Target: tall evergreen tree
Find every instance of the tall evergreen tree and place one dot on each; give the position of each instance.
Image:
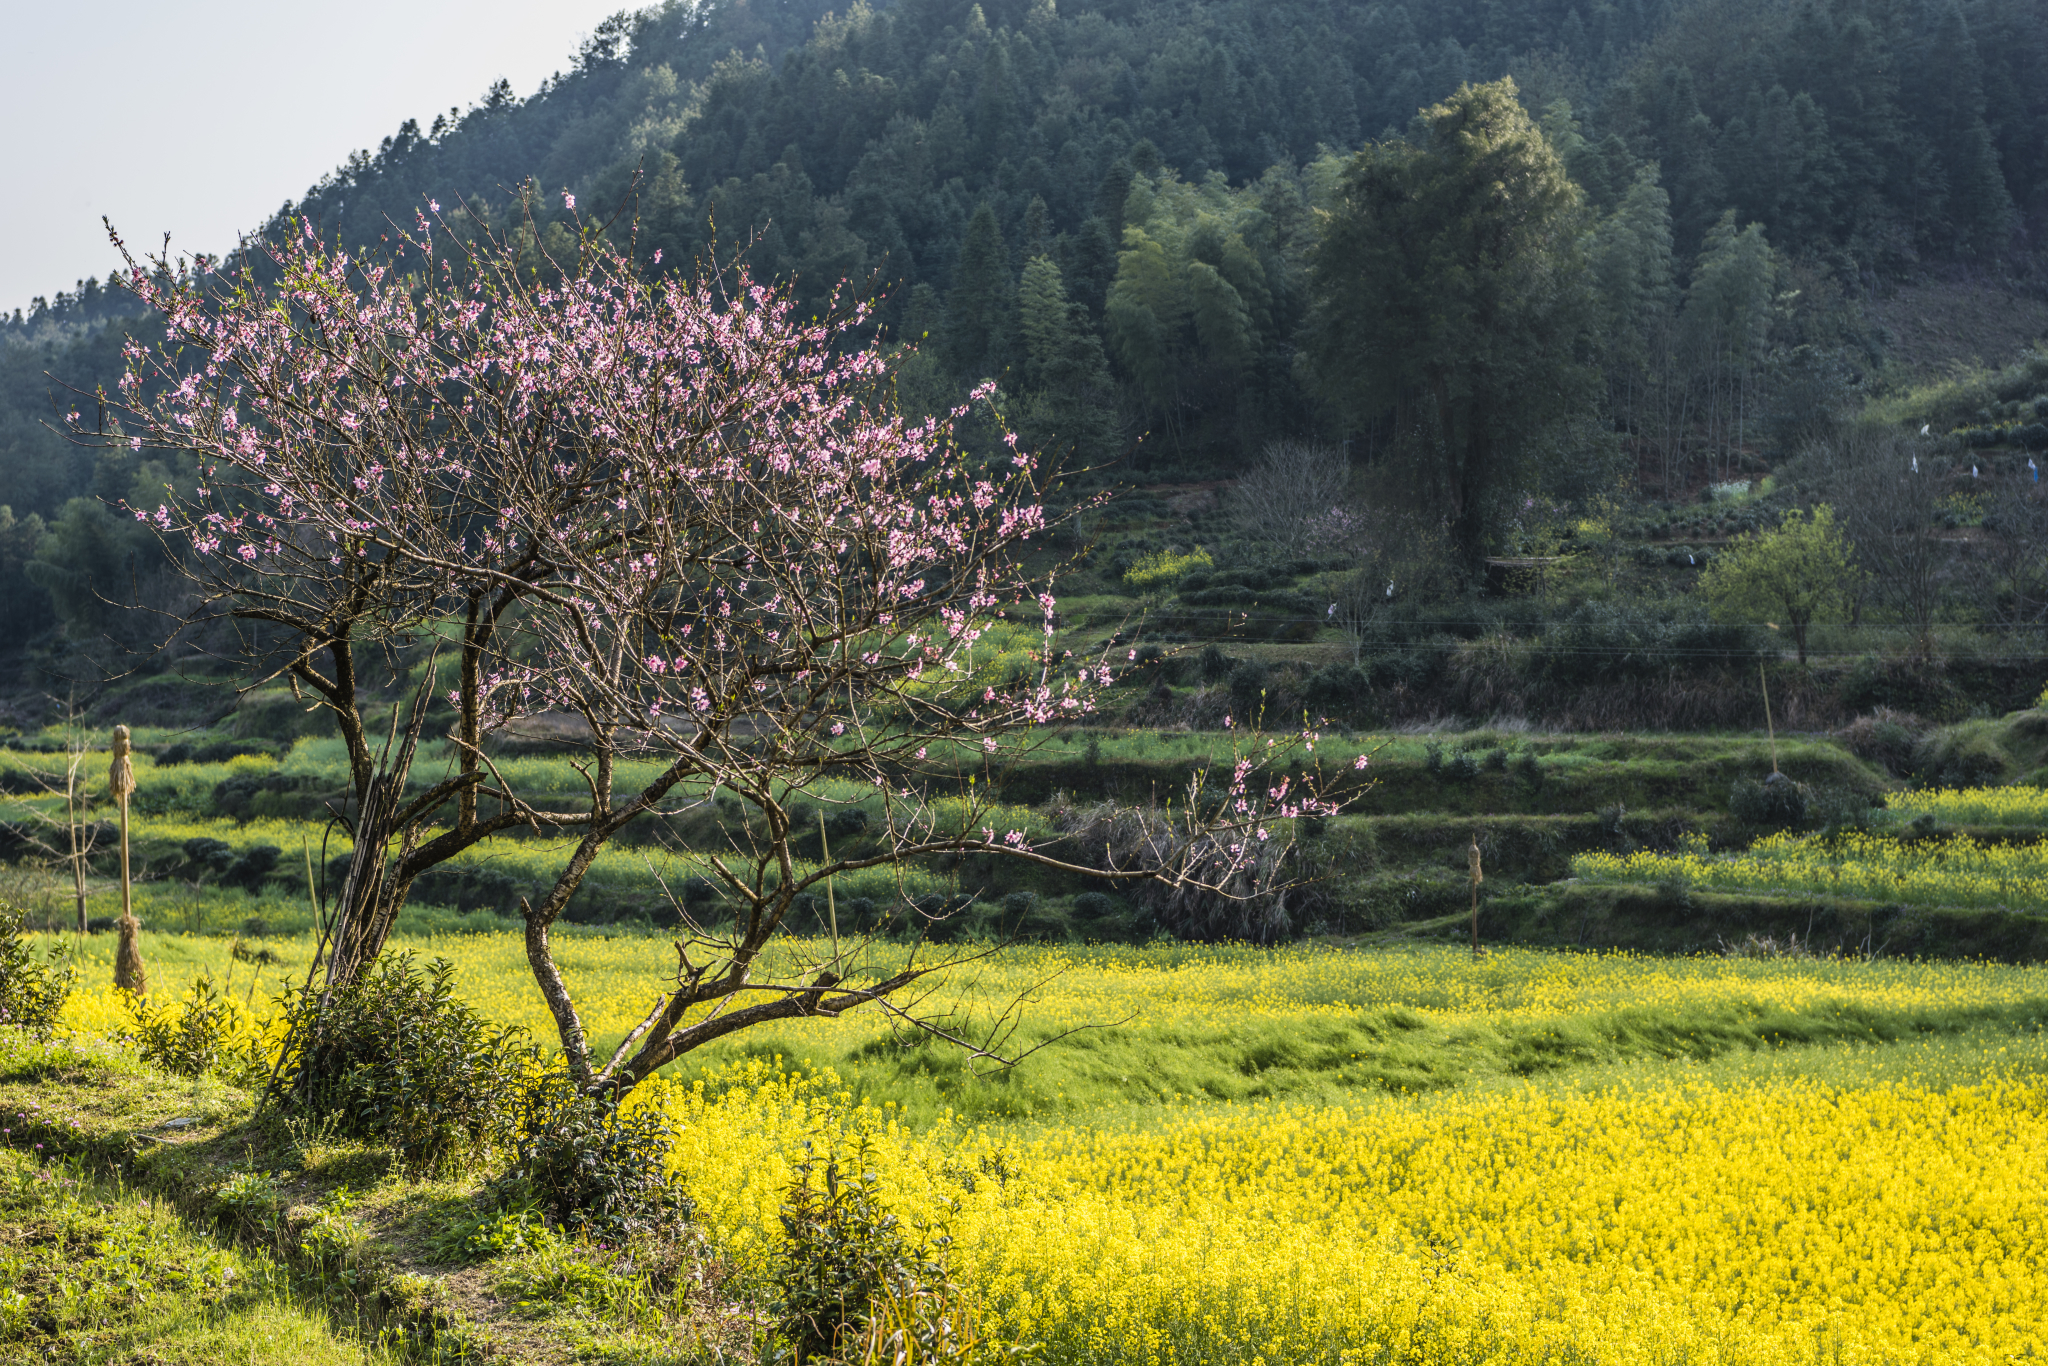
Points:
(1451, 289)
(1945, 91)
(1630, 254)
(1069, 399)
(1727, 322)
(979, 321)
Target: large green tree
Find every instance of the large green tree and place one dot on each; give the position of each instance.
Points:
(1451, 290)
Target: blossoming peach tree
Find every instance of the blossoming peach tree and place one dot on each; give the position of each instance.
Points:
(674, 511)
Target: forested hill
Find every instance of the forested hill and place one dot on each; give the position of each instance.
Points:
(1109, 205)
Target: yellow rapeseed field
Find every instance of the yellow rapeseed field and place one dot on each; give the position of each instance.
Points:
(1861, 1202)
(1976, 805)
(1956, 871)
(1787, 1222)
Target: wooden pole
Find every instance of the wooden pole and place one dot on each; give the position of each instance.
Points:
(1472, 857)
(831, 906)
(1770, 728)
(129, 973)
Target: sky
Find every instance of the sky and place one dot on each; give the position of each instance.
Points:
(200, 118)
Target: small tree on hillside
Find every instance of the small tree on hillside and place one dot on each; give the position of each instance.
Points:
(1889, 488)
(1297, 498)
(1797, 572)
(688, 519)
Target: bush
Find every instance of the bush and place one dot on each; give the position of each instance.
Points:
(1776, 801)
(214, 752)
(1600, 642)
(1965, 756)
(1837, 810)
(1338, 690)
(1096, 908)
(247, 869)
(851, 1279)
(1248, 686)
(190, 1042)
(394, 1058)
(591, 1168)
(32, 991)
(1885, 737)
(847, 823)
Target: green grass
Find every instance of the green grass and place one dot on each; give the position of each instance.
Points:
(94, 1271)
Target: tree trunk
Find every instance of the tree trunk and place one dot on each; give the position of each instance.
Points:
(372, 893)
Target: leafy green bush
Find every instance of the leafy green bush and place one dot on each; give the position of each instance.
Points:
(591, 1168)
(1338, 690)
(188, 1042)
(1964, 756)
(1602, 641)
(855, 1286)
(32, 990)
(1776, 801)
(395, 1058)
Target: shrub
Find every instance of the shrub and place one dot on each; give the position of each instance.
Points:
(32, 991)
(1248, 686)
(1776, 801)
(1965, 756)
(855, 1286)
(395, 1058)
(592, 1168)
(847, 823)
(1885, 737)
(189, 1042)
(1836, 810)
(1094, 908)
(1338, 690)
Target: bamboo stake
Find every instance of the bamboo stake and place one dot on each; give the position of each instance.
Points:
(1769, 726)
(129, 972)
(831, 906)
(1472, 857)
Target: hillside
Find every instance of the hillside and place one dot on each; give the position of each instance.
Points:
(981, 171)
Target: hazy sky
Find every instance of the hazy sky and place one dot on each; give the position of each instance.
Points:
(201, 118)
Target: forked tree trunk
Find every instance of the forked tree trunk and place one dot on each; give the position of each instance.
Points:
(371, 894)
